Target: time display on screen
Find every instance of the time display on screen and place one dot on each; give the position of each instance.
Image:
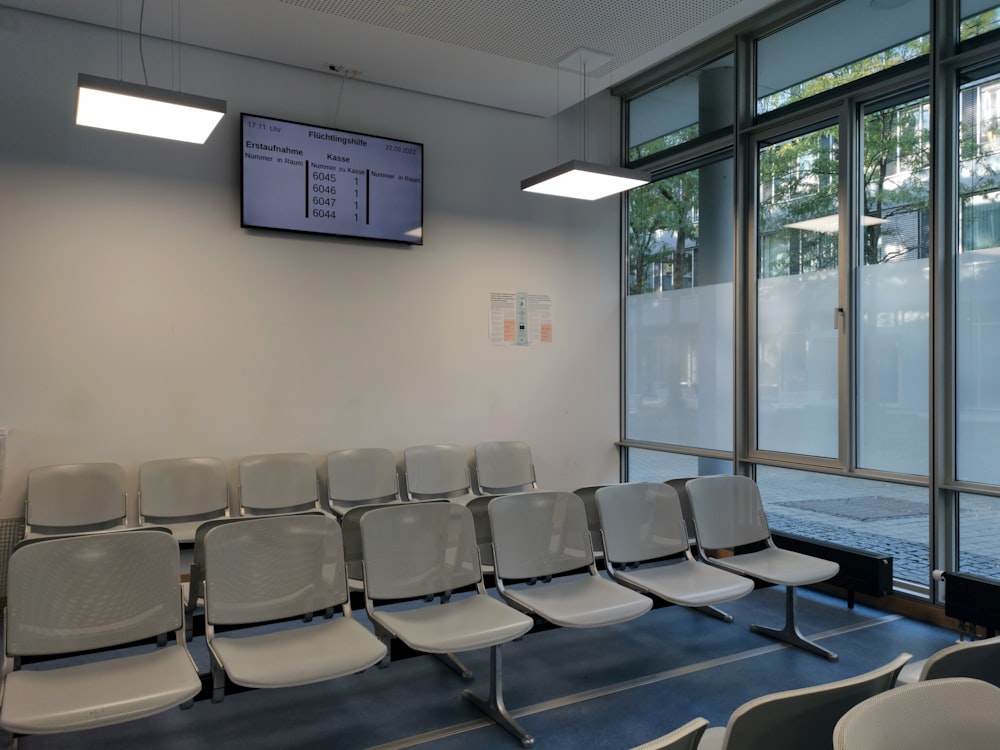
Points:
(307, 178)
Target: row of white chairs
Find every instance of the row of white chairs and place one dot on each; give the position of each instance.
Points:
(183, 493)
(543, 561)
(281, 567)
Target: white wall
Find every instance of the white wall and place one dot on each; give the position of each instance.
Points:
(139, 321)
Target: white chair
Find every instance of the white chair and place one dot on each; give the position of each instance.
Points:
(182, 493)
(274, 483)
(642, 523)
(729, 515)
(273, 568)
(802, 719)
(361, 476)
(544, 563)
(956, 712)
(417, 551)
(683, 738)
(87, 592)
(977, 659)
(73, 498)
(504, 467)
(437, 471)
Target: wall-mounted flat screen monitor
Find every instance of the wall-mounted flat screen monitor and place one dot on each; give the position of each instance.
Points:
(307, 178)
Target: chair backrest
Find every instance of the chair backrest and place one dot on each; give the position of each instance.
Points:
(75, 497)
(805, 718)
(361, 476)
(589, 496)
(480, 508)
(182, 489)
(91, 591)
(273, 568)
(504, 466)
(278, 483)
(683, 738)
(538, 534)
(727, 511)
(436, 471)
(956, 712)
(641, 521)
(418, 549)
(976, 659)
(680, 487)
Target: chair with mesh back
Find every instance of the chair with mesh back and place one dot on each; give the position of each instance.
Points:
(72, 498)
(359, 477)
(977, 659)
(437, 471)
(683, 738)
(93, 592)
(729, 516)
(803, 718)
(182, 493)
(273, 483)
(503, 467)
(419, 551)
(274, 568)
(953, 712)
(194, 587)
(544, 563)
(646, 547)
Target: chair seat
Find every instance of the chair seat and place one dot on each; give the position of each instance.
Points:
(911, 672)
(459, 625)
(99, 693)
(300, 655)
(689, 583)
(584, 602)
(780, 566)
(712, 739)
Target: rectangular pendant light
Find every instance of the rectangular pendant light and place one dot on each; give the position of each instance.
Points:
(584, 180)
(144, 110)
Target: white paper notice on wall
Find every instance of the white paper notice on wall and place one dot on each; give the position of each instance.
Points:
(520, 319)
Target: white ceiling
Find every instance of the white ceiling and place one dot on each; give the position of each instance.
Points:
(499, 53)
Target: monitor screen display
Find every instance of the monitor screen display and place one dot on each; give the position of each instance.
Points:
(307, 178)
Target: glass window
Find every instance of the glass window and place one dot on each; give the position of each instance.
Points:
(845, 42)
(893, 292)
(679, 310)
(978, 17)
(658, 466)
(682, 110)
(877, 516)
(977, 334)
(978, 530)
(797, 293)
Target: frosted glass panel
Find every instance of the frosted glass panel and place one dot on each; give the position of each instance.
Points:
(977, 367)
(679, 366)
(797, 364)
(893, 367)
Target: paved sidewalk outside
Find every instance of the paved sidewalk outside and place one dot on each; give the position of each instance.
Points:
(878, 516)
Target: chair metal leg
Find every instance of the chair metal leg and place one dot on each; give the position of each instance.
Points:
(455, 665)
(218, 683)
(790, 632)
(493, 706)
(715, 612)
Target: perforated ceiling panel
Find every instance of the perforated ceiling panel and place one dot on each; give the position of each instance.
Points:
(533, 31)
